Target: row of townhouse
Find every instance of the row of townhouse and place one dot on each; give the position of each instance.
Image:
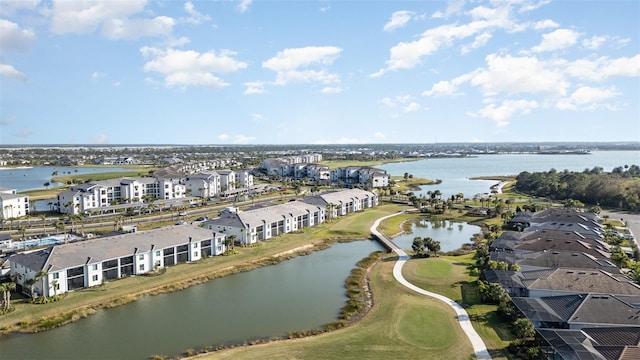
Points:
(13, 205)
(261, 224)
(66, 267)
(166, 186)
(365, 176)
(579, 302)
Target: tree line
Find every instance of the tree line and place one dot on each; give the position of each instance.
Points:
(619, 188)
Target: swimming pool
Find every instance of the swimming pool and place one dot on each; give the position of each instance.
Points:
(52, 240)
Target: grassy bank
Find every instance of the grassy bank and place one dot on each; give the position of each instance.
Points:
(29, 317)
(401, 325)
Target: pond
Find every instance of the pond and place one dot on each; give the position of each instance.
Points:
(451, 235)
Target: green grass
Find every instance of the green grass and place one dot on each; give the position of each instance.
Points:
(401, 325)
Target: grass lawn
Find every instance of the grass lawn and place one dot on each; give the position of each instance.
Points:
(401, 325)
(30, 317)
(449, 276)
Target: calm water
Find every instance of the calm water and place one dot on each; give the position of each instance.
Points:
(451, 235)
(455, 173)
(34, 178)
(299, 294)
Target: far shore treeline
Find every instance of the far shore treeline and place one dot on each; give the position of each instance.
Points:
(619, 188)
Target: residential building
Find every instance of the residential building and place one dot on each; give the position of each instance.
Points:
(365, 176)
(227, 180)
(13, 205)
(204, 185)
(610, 343)
(88, 263)
(100, 194)
(261, 224)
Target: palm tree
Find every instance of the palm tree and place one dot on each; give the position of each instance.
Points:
(42, 277)
(54, 284)
(6, 289)
(229, 242)
(43, 217)
(30, 283)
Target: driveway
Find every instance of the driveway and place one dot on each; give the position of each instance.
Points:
(632, 221)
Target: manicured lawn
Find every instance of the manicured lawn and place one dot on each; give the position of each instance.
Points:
(448, 275)
(401, 325)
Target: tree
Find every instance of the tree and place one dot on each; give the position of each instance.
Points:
(523, 328)
(229, 243)
(418, 245)
(46, 185)
(6, 289)
(29, 283)
(42, 277)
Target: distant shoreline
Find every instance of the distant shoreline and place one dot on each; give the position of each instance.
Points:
(16, 167)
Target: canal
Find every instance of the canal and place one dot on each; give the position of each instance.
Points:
(299, 294)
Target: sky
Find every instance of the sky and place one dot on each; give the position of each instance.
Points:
(318, 72)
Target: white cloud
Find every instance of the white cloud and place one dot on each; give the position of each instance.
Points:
(411, 107)
(291, 65)
(12, 37)
(379, 135)
(114, 18)
(8, 7)
(529, 5)
(501, 114)
(557, 40)
(242, 139)
(442, 89)
(223, 137)
(257, 117)
(602, 68)
(545, 24)
(587, 98)
(398, 20)
(96, 75)
(512, 75)
(100, 139)
(398, 100)
(594, 42)
(185, 68)
(196, 16)
(331, 90)
(453, 7)
(254, 87)
(9, 72)
(480, 41)
(172, 42)
(244, 5)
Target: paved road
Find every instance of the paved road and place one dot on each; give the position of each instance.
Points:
(479, 347)
(632, 221)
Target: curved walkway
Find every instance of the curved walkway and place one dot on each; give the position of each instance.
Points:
(479, 347)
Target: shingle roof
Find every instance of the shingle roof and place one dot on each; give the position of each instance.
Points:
(581, 280)
(558, 258)
(97, 250)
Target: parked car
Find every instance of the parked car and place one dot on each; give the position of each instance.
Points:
(182, 213)
(201, 218)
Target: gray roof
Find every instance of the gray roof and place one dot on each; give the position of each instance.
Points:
(581, 280)
(346, 195)
(589, 343)
(63, 256)
(275, 213)
(571, 259)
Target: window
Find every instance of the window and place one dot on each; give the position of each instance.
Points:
(141, 267)
(195, 246)
(56, 276)
(141, 257)
(94, 267)
(195, 254)
(158, 253)
(94, 277)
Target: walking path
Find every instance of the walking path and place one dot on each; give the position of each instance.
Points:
(479, 347)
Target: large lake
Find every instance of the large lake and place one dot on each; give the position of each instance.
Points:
(455, 172)
(32, 178)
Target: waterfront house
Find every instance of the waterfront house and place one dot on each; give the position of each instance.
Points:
(82, 264)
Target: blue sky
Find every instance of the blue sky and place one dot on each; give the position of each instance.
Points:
(318, 72)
